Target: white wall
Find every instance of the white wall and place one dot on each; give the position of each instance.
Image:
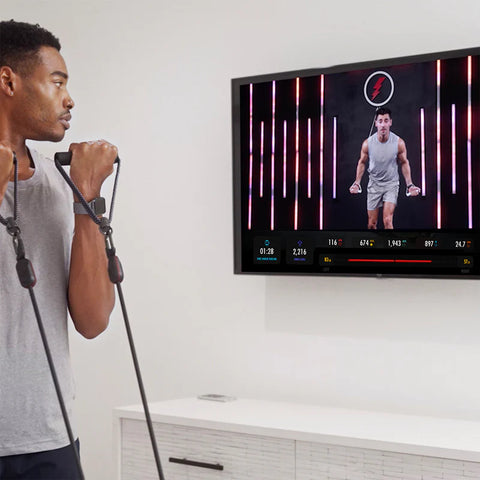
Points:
(154, 77)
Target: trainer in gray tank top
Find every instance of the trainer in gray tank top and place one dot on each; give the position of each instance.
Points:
(382, 166)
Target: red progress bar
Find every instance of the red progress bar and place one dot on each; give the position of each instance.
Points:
(385, 260)
(370, 260)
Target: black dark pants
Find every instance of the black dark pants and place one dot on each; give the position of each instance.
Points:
(56, 464)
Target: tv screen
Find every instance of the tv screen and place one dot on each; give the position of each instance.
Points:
(370, 168)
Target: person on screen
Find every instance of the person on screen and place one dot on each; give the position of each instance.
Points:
(384, 152)
(67, 252)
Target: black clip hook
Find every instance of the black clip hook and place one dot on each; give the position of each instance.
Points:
(12, 227)
(105, 227)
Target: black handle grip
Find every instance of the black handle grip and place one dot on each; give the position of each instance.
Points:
(65, 158)
(25, 273)
(191, 463)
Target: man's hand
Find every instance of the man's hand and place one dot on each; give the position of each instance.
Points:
(355, 188)
(412, 190)
(92, 163)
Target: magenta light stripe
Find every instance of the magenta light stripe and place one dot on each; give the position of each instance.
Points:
(439, 156)
(250, 172)
(297, 159)
(284, 159)
(309, 148)
(469, 144)
(454, 150)
(272, 175)
(422, 151)
(322, 96)
(334, 157)
(262, 140)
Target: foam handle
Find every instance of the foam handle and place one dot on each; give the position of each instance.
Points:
(25, 273)
(65, 158)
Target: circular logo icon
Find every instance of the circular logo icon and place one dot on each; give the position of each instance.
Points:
(378, 88)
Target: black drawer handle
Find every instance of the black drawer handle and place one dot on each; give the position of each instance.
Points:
(184, 461)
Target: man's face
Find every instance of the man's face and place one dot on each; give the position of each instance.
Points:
(44, 104)
(383, 124)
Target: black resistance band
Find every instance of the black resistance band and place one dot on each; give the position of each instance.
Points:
(115, 273)
(28, 280)
(373, 121)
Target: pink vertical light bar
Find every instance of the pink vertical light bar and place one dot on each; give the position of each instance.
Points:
(272, 175)
(469, 144)
(309, 149)
(322, 96)
(454, 150)
(422, 149)
(262, 140)
(284, 159)
(297, 156)
(250, 171)
(334, 157)
(439, 156)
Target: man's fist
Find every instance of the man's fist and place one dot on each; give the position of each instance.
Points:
(92, 163)
(355, 188)
(413, 191)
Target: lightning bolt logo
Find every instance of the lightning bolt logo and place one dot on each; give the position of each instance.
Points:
(379, 95)
(377, 87)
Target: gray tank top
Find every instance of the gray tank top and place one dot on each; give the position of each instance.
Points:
(382, 165)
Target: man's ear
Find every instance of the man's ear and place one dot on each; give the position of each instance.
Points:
(7, 81)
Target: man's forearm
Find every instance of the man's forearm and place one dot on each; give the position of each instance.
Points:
(406, 172)
(360, 172)
(91, 295)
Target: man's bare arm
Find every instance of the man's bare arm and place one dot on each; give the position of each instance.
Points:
(90, 293)
(361, 166)
(402, 159)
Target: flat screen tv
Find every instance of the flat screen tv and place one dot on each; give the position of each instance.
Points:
(363, 169)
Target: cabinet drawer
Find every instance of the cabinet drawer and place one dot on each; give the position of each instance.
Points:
(190, 453)
(317, 461)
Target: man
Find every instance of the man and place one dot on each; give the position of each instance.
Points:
(70, 267)
(384, 151)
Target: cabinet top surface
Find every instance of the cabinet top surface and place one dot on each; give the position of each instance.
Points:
(456, 439)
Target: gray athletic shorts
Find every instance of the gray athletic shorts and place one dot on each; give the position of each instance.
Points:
(377, 195)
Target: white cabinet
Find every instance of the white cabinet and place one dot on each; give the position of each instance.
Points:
(202, 454)
(332, 462)
(258, 440)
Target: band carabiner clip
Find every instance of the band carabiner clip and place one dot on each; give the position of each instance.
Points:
(12, 227)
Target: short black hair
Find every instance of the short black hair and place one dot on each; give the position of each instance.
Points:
(383, 111)
(20, 43)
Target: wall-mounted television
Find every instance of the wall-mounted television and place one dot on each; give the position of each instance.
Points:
(370, 168)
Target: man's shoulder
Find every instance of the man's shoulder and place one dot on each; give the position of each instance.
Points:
(42, 162)
(399, 140)
(39, 157)
(395, 137)
(46, 172)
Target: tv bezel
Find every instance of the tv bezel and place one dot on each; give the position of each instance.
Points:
(237, 83)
